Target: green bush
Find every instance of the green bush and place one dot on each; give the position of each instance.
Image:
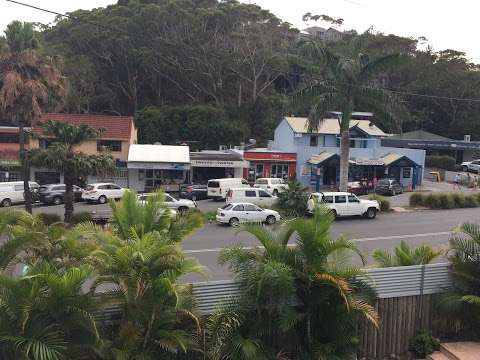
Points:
(80, 217)
(210, 216)
(49, 218)
(448, 201)
(471, 201)
(458, 199)
(440, 162)
(384, 203)
(445, 200)
(423, 344)
(416, 199)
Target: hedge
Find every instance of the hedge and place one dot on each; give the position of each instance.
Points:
(440, 162)
(384, 203)
(440, 200)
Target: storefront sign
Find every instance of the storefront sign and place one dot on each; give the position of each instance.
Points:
(158, 166)
(270, 156)
(369, 162)
(219, 163)
(8, 163)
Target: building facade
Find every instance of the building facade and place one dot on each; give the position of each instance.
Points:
(265, 162)
(215, 164)
(318, 152)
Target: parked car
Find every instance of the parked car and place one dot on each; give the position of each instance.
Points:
(272, 185)
(180, 205)
(251, 195)
(12, 192)
(388, 186)
(55, 193)
(471, 166)
(344, 204)
(236, 213)
(218, 188)
(101, 192)
(194, 192)
(356, 187)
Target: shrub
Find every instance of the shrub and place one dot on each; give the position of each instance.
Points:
(423, 344)
(80, 217)
(210, 216)
(471, 201)
(447, 201)
(416, 199)
(384, 203)
(49, 218)
(459, 200)
(293, 201)
(440, 162)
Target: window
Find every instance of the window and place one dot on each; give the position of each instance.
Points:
(58, 188)
(262, 181)
(238, 208)
(227, 207)
(250, 193)
(407, 173)
(313, 140)
(338, 142)
(264, 194)
(249, 207)
(114, 187)
(352, 143)
(168, 198)
(279, 170)
(340, 199)
(328, 199)
(213, 184)
(9, 138)
(18, 187)
(109, 145)
(103, 187)
(353, 199)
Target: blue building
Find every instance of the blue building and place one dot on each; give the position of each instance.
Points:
(318, 152)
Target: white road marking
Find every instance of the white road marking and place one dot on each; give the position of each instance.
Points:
(391, 237)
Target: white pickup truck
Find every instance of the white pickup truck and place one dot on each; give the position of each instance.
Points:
(344, 204)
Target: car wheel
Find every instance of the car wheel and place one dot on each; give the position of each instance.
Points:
(465, 168)
(102, 199)
(271, 220)
(371, 213)
(275, 192)
(6, 202)
(334, 213)
(182, 210)
(57, 200)
(234, 222)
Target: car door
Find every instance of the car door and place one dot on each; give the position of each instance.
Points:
(353, 207)
(239, 212)
(253, 213)
(77, 193)
(116, 191)
(341, 205)
(170, 202)
(264, 198)
(475, 166)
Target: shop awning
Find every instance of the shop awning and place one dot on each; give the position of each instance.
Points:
(322, 157)
(367, 162)
(398, 159)
(158, 157)
(212, 158)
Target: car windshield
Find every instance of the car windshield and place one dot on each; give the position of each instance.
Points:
(262, 181)
(384, 182)
(227, 207)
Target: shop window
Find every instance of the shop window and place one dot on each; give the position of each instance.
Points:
(352, 144)
(9, 138)
(313, 140)
(407, 173)
(109, 145)
(280, 171)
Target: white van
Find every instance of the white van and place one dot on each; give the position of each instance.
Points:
(12, 192)
(255, 196)
(217, 188)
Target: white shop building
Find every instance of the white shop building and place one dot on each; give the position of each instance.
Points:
(216, 164)
(152, 167)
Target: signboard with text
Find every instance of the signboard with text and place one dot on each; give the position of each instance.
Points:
(219, 163)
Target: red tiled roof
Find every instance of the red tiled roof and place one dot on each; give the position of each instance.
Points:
(116, 127)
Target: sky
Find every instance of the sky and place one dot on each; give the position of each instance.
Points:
(446, 24)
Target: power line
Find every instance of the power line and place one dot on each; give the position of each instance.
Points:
(399, 92)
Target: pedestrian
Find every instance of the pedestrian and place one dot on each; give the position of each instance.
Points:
(456, 182)
(475, 183)
(469, 180)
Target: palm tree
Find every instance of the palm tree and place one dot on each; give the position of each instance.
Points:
(348, 79)
(62, 156)
(463, 301)
(45, 315)
(29, 83)
(405, 255)
(141, 262)
(314, 274)
(293, 201)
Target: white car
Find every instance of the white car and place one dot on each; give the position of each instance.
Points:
(344, 204)
(473, 166)
(272, 185)
(101, 192)
(250, 195)
(236, 213)
(180, 205)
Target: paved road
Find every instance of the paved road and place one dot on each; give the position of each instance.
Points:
(386, 231)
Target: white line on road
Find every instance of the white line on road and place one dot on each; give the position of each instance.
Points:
(391, 237)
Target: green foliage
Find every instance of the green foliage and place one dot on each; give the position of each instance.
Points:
(423, 344)
(384, 202)
(438, 200)
(440, 162)
(262, 322)
(462, 303)
(50, 218)
(405, 255)
(81, 217)
(293, 201)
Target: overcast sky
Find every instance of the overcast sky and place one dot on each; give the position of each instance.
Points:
(446, 24)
